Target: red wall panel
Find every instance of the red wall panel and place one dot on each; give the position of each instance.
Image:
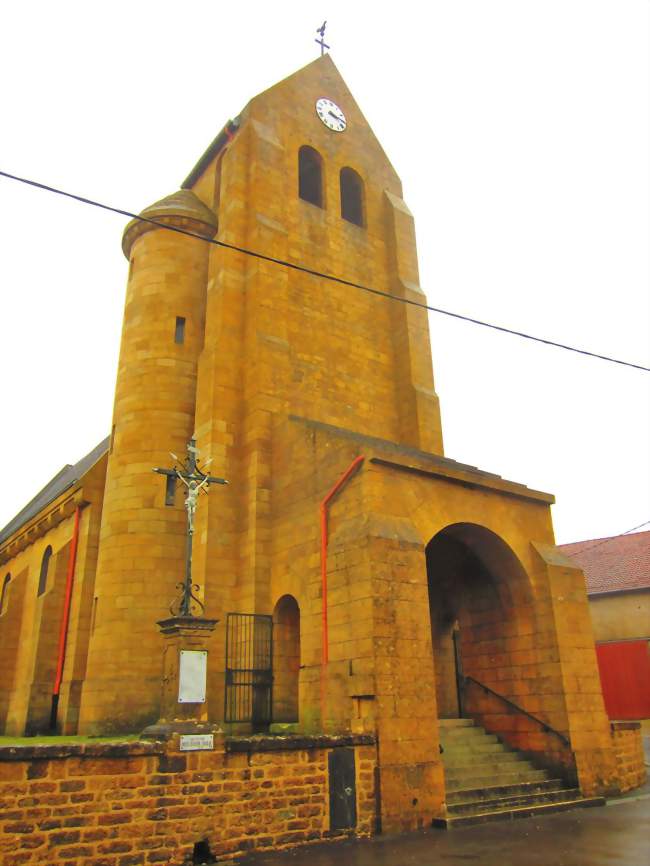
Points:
(625, 677)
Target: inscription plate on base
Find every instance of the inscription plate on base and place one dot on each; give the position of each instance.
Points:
(196, 742)
(192, 677)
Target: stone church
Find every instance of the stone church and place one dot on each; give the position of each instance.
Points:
(363, 582)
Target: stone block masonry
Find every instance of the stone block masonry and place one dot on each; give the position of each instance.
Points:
(628, 746)
(134, 804)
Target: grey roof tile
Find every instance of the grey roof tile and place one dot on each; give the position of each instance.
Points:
(63, 479)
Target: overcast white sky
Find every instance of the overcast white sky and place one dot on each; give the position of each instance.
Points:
(520, 132)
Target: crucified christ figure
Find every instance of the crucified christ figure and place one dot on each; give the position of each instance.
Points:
(196, 481)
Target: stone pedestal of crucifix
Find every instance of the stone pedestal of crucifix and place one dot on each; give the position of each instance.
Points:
(185, 634)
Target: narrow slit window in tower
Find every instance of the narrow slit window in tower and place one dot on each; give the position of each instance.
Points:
(352, 197)
(179, 333)
(170, 490)
(310, 175)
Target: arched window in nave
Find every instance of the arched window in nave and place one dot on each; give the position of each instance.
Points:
(3, 593)
(45, 564)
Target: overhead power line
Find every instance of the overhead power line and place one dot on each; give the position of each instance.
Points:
(606, 540)
(321, 275)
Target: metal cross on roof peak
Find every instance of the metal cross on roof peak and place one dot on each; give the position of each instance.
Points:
(321, 32)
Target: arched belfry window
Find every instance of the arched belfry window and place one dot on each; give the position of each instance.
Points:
(45, 564)
(3, 593)
(310, 175)
(352, 197)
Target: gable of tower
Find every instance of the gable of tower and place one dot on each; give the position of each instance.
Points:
(289, 108)
(288, 186)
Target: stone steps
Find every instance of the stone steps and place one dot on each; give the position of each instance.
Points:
(476, 747)
(455, 724)
(511, 813)
(488, 781)
(494, 792)
(494, 779)
(463, 762)
(559, 794)
(466, 734)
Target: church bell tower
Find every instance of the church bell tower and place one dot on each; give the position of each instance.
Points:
(228, 346)
(389, 576)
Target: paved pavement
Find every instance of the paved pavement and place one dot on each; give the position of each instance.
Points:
(617, 834)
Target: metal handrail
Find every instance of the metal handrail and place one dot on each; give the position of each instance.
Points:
(545, 727)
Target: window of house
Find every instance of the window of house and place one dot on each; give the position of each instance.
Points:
(352, 197)
(310, 175)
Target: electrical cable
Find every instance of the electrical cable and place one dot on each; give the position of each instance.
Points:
(321, 275)
(605, 540)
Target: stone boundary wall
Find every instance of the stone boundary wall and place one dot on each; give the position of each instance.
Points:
(135, 804)
(630, 760)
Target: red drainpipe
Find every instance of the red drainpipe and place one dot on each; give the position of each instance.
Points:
(352, 468)
(63, 634)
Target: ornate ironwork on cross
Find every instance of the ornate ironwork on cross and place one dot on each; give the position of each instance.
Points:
(196, 481)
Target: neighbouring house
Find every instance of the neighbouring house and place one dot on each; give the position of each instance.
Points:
(617, 571)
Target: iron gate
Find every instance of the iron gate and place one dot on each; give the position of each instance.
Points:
(249, 668)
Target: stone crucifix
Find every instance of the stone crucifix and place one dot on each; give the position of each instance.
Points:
(196, 481)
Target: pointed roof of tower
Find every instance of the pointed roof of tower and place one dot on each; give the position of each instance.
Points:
(322, 70)
(325, 61)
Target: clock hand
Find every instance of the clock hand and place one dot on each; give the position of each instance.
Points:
(335, 116)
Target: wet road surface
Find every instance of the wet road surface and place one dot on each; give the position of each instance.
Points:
(617, 834)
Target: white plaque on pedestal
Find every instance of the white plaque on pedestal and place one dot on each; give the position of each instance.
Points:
(196, 742)
(192, 676)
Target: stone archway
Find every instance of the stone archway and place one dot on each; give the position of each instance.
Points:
(480, 606)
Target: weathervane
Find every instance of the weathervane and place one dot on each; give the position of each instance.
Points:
(196, 481)
(321, 32)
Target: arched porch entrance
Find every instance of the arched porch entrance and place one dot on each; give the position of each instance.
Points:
(480, 606)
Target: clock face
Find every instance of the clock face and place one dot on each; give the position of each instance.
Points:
(330, 114)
